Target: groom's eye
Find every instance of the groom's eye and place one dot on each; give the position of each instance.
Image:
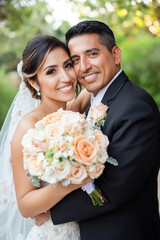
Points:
(93, 54)
(75, 60)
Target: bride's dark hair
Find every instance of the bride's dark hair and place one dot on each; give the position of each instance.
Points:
(35, 54)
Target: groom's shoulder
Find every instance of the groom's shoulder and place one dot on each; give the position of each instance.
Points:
(135, 94)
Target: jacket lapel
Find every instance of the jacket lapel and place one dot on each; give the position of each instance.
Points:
(114, 88)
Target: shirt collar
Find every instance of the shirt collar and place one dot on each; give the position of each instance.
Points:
(95, 100)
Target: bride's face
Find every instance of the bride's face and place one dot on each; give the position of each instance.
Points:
(57, 79)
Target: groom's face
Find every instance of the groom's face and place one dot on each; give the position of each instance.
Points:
(94, 65)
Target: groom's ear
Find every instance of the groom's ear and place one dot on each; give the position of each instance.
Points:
(116, 52)
(33, 83)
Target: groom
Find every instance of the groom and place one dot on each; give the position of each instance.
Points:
(133, 128)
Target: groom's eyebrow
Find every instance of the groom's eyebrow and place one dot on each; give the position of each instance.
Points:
(92, 49)
(86, 51)
(73, 56)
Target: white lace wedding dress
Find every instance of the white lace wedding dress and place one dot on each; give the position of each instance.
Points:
(48, 231)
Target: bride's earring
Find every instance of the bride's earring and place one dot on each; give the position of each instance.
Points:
(38, 92)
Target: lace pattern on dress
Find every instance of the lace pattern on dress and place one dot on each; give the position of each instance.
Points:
(48, 231)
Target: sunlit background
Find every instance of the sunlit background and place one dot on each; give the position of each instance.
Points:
(136, 25)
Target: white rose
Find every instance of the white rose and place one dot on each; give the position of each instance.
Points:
(101, 139)
(34, 164)
(27, 138)
(102, 156)
(50, 175)
(63, 170)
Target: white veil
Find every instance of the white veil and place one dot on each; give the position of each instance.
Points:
(12, 225)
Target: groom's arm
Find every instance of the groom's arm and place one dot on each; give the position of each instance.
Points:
(134, 144)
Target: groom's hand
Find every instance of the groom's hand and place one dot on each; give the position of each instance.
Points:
(41, 218)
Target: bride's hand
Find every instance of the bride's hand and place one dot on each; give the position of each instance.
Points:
(41, 218)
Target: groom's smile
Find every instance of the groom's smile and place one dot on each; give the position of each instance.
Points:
(89, 77)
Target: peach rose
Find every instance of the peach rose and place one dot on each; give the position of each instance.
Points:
(85, 150)
(54, 130)
(34, 165)
(95, 171)
(101, 139)
(68, 128)
(98, 112)
(61, 144)
(80, 127)
(52, 118)
(78, 174)
(43, 145)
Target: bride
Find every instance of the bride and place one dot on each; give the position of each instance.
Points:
(49, 82)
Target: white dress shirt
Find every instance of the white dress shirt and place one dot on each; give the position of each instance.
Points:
(95, 100)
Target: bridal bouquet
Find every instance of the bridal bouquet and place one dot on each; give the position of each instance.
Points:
(65, 148)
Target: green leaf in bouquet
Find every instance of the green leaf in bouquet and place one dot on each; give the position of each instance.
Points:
(60, 159)
(35, 180)
(50, 153)
(66, 182)
(112, 161)
(100, 123)
(73, 162)
(28, 175)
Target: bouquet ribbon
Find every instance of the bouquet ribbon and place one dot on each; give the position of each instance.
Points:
(89, 187)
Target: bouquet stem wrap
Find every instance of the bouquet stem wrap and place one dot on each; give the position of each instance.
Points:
(95, 194)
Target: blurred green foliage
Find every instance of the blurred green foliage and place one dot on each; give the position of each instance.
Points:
(136, 25)
(141, 61)
(7, 93)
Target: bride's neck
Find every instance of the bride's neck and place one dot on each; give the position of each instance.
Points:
(47, 107)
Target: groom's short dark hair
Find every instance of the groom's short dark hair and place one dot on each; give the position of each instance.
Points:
(106, 35)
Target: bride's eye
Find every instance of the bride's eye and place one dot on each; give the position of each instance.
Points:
(50, 71)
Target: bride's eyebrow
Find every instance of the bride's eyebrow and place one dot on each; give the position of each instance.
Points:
(49, 67)
(56, 65)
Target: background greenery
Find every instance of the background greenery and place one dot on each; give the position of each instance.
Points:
(136, 25)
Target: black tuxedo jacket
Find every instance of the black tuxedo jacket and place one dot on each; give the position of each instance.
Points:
(131, 213)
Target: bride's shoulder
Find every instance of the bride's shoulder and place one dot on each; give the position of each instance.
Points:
(26, 123)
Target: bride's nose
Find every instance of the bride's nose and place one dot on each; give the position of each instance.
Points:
(65, 77)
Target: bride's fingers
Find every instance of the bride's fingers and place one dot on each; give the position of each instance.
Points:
(86, 180)
(41, 218)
